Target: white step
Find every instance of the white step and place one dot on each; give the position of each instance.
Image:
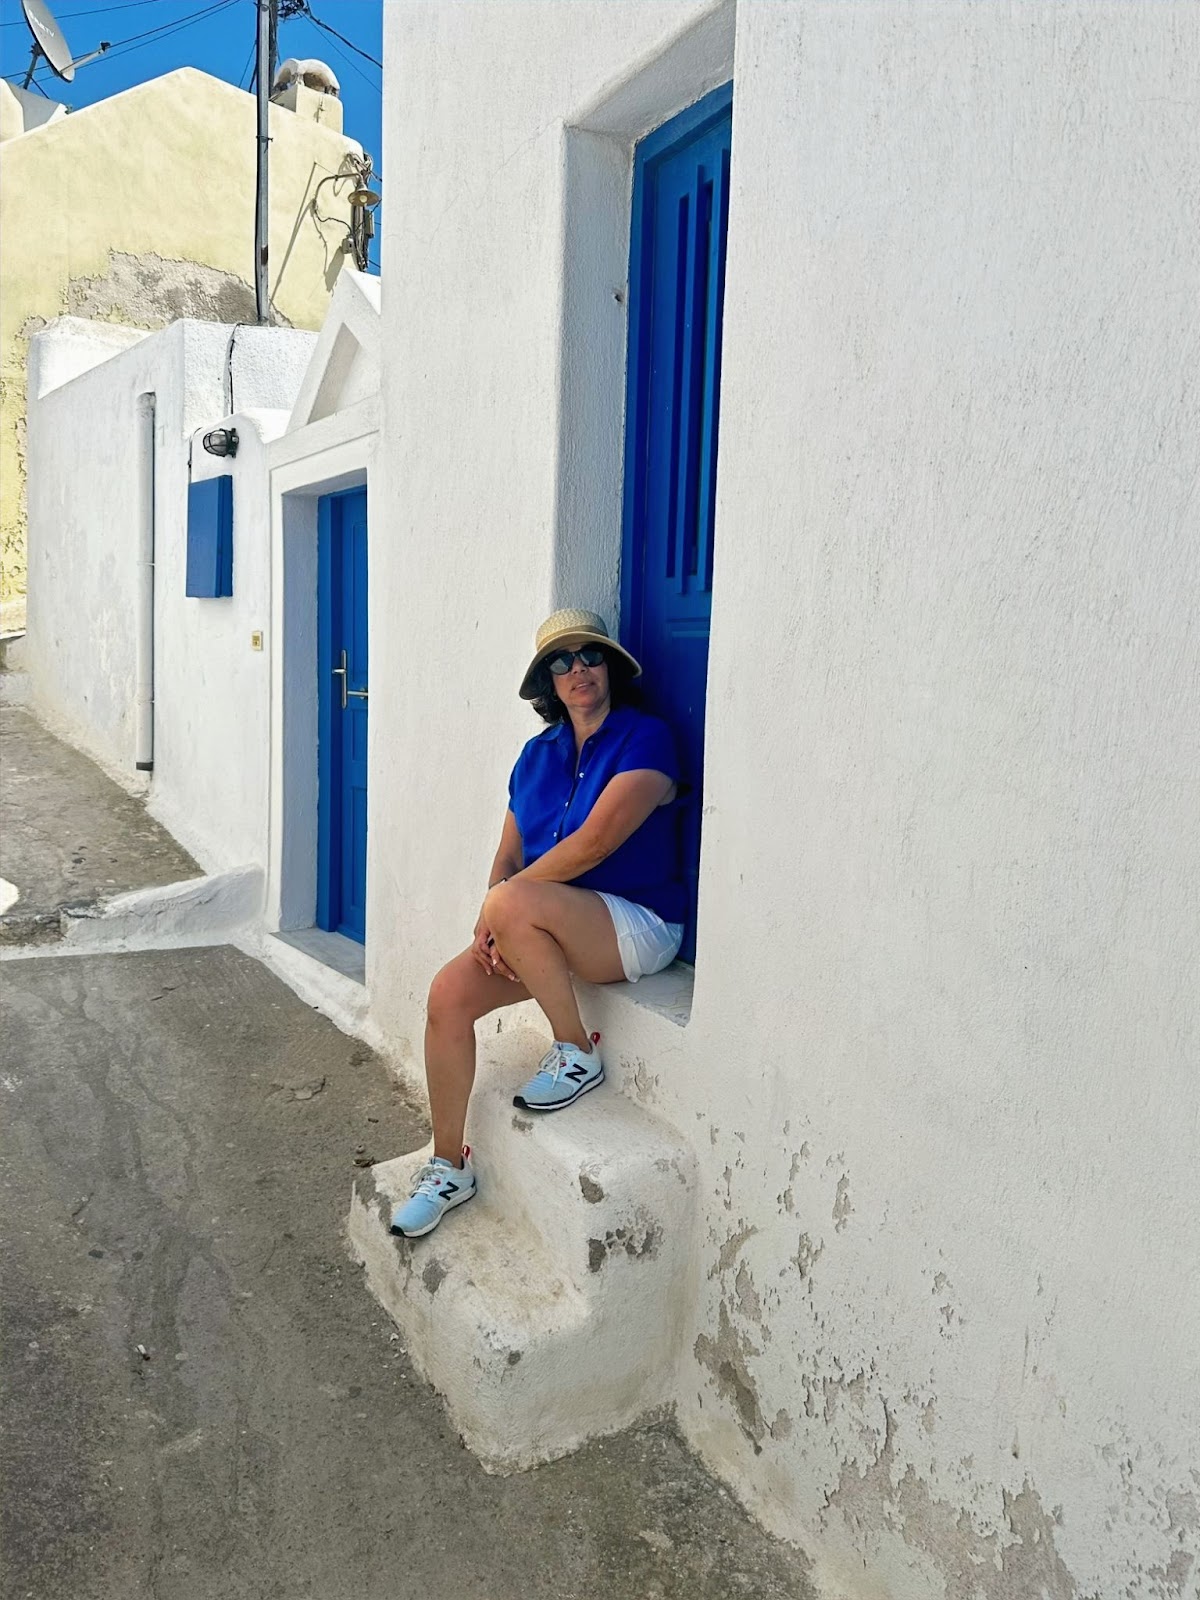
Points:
(521, 1308)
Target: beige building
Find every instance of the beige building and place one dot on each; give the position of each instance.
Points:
(140, 210)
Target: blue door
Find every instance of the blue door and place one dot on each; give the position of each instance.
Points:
(342, 713)
(676, 290)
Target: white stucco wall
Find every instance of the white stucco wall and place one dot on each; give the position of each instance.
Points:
(940, 1066)
(212, 688)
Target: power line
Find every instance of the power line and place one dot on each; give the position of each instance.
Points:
(164, 29)
(137, 40)
(358, 50)
(354, 67)
(246, 72)
(127, 5)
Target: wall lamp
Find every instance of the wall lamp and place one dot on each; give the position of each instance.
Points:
(221, 442)
(363, 201)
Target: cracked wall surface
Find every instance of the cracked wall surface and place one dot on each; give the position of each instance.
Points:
(140, 210)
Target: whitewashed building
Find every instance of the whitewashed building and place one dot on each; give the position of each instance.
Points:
(843, 355)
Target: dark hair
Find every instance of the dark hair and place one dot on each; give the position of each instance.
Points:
(620, 686)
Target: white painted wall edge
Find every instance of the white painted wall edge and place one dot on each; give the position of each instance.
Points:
(214, 909)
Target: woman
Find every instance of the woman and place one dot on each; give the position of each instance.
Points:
(586, 881)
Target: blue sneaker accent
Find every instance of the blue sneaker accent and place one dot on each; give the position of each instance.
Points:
(563, 1074)
(437, 1188)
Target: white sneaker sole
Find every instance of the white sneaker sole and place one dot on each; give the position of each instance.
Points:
(419, 1233)
(561, 1105)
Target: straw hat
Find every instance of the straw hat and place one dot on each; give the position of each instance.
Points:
(567, 630)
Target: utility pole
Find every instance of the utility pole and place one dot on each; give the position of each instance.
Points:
(267, 12)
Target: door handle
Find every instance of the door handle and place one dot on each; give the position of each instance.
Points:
(340, 672)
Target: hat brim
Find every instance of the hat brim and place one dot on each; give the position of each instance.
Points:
(572, 639)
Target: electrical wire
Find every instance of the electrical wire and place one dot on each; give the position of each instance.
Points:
(247, 71)
(358, 49)
(164, 30)
(375, 88)
(127, 5)
(135, 42)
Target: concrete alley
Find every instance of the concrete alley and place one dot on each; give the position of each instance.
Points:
(200, 1398)
(178, 1142)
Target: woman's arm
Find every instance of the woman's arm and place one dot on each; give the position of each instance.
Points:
(620, 809)
(510, 855)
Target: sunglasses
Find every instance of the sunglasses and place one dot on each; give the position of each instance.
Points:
(561, 662)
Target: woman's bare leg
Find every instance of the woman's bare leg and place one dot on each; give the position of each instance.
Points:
(546, 932)
(460, 994)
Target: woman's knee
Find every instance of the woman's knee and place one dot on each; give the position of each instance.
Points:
(451, 995)
(509, 903)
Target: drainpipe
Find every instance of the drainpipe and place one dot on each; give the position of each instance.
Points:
(262, 213)
(144, 710)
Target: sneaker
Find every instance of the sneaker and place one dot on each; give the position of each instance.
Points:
(563, 1074)
(437, 1188)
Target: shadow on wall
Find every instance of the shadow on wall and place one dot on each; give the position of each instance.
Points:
(335, 253)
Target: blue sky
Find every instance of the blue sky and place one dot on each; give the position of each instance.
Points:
(220, 41)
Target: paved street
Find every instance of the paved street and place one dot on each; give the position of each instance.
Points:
(68, 834)
(177, 1145)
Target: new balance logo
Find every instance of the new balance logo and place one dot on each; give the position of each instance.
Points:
(447, 1190)
(577, 1073)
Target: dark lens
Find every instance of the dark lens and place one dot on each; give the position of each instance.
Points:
(561, 663)
(591, 655)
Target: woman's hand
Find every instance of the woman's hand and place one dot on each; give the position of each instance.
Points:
(508, 862)
(501, 967)
(486, 952)
(483, 945)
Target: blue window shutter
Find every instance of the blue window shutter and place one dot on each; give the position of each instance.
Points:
(210, 538)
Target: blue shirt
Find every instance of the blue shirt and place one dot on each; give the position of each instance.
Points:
(551, 799)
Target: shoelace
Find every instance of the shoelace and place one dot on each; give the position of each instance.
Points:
(556, 1055)
(428, 1179)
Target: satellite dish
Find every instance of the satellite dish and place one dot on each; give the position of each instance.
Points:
(48, 38)
(50, 43)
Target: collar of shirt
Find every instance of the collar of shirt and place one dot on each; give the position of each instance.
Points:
(564, 733)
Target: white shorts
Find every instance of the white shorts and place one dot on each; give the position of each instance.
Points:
(647, 943)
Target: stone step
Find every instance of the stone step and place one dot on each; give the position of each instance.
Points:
(548, 1309)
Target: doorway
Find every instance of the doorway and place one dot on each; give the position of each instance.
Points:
(678, 240)
(342, 713)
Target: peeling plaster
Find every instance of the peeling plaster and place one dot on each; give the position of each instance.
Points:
(786, 1201)
(645, 1083)
(151, 291)
(639, 1241)
(807, 1254)
(747, 1294)
(731, 1249)
(1183, 1518)
(433, 1276)
(781, 1428)
(842, 1207)
(591, 1190)
(1024, 1565)
(726, 1357)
